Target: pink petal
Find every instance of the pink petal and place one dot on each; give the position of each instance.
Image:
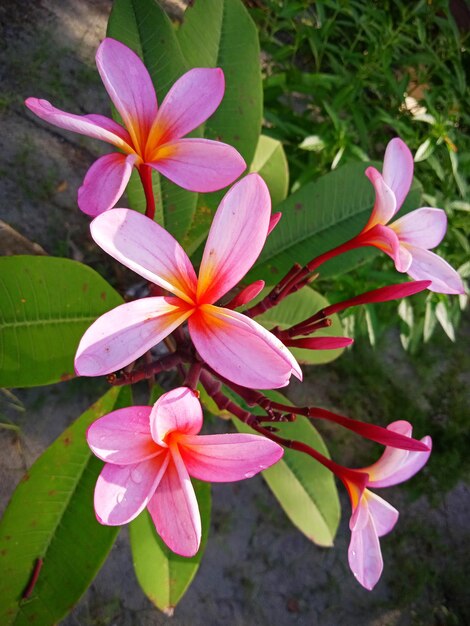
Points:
(429, 266)
(384, 238)
(82, 124)
(109, 124)
(398, 169)
(236, 237)
(240, 349)
(177, 410)
(129, 86)
(123, 437)
(226, 458)
(123, 491)
(385, 202)
(396, 466)
(175, 511)
(247, 294)
(384, 515)
(146, 248)
(364, 554)
(200, 165)
(423, 228)
(122, 335)
(105, 182)
(191, 100)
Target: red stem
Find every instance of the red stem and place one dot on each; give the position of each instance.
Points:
(145, 172)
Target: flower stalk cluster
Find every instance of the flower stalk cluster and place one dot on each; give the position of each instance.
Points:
(150, 453)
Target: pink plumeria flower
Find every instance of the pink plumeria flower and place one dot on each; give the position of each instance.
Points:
(409, 239)
(151, 135)
(372, 516)
(150, 454)
(235, 346)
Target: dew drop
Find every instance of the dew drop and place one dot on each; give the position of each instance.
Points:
(119, 498)
(136, 476)
(249, 474)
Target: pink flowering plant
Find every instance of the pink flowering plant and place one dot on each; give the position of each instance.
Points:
(226, 314)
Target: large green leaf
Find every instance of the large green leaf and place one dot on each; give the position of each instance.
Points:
(46, 304)
(320, 216)
(296, 308)
(304, 488)
(51, 517)
(144, 26)
(163, 575)
(221, 33)
(271, 163)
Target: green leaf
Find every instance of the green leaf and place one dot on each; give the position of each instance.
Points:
(51, 517)
(46, 304)
(304, 488)
(296, 308)
(144, 26)
(319, 217)
(221, 33)
(270, 162)
(163, 575)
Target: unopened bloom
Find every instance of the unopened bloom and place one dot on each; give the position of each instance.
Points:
(234, 345)
(150, 454)
(372, 516)
(409, 239)
(151, 135)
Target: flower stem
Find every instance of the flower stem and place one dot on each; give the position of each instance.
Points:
(145, 173)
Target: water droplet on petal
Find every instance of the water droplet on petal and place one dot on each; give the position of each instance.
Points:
(119, 497)
(136, 476)
(249, 474)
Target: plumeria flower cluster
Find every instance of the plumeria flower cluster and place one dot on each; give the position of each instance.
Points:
(151, 453)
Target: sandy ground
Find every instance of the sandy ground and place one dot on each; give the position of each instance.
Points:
(257, 568)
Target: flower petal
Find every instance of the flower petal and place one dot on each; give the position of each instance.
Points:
(240, 349)
(123, 334)
(175, 511)
(123, 437)
(200, 165)
(123, 491)
(191, 100)
(146, 248)
(108, 124)
(129, 86)
(395, 465)
(236, 238)
(398, 169)
(423, 228)
(82, 124)
(429, 266)
(364, 554)
(385, 239)
(226, 458)
(385, 516)
(385, 202)
(105, 182)
(177, 410)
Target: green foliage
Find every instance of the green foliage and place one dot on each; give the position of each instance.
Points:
(319, 217)
(46, 304)
(51, 517)
(271, 164)
(335, 79)
(163, 575)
